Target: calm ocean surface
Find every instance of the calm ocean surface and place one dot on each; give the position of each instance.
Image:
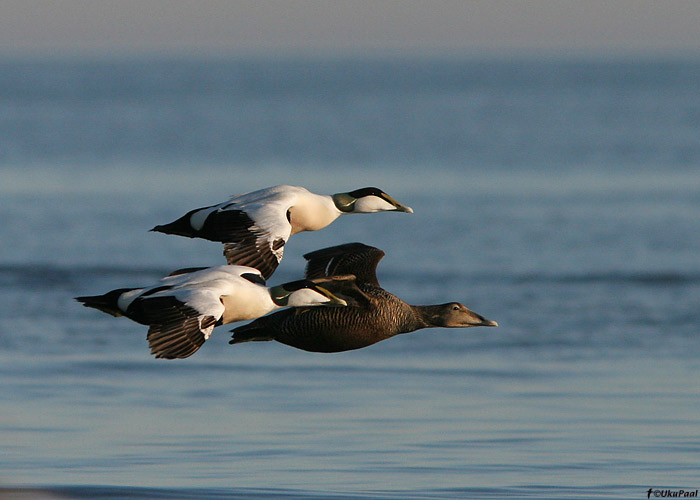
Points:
(560, 198)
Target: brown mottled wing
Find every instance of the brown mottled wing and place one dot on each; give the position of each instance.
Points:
(351, 258)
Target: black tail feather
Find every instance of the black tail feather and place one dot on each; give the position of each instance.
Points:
(107, 303)
(252, 332)
(179, 227)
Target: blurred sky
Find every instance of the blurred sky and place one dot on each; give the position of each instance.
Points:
(70, 27)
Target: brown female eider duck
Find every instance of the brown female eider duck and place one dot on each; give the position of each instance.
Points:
(372, 314)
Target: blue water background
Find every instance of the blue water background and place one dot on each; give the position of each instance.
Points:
(560, 198)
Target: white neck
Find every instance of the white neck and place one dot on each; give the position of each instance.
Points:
(313, 213)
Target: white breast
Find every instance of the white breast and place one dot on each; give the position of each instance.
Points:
(246, 304)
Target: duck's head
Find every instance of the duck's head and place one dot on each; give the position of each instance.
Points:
(368, 200)
(454, 315)
(302, 293)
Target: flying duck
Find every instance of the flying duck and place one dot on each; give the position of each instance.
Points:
(372, 314)
(184, 307)
(254, 227)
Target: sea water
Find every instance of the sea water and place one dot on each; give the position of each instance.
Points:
(559, 198)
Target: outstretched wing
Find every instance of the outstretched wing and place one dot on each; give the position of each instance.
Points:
(254, 227)
(351, 258)
(176, 330)
(256, 250)
(247, 242)
(259, 242)
(178, 339)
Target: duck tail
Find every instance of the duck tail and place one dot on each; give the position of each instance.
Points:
(252, 332)
(179, 227)
(107, 303)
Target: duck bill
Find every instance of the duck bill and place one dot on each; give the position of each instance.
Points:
(487, 322)
(333, 301)
(399, 206)
(478, 320)
(403, 208)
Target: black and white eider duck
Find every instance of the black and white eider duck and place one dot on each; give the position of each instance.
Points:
(183, 309)
(372, 314)
(254, 227)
